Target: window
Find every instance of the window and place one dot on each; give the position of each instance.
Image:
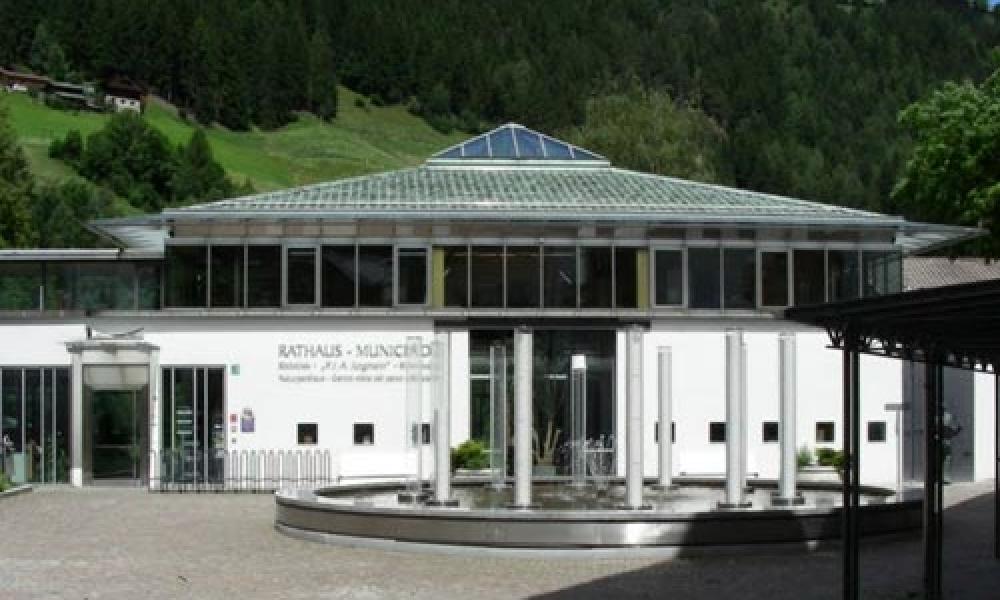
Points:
(20, 283)
(843, 274)
(523, 272)
(740, 270)
(627, 277)
(186, 276)
(824, 432)
(308, 434)
(774, 278)
(103, 286)
(876, 431)
(486, 276)
(769, 432)
(882, 273)
(364, 434)
(595, 277)
(669, 278)
(703, 278)
(148, 276)
(716, 432)
(375, 275)
(339, 275)
(412, 277)
(809, 279)
(425, 434)
(560, 277)
(456, 276)
(656, 432)
(264, 276)
(301, 275)
(227, 276)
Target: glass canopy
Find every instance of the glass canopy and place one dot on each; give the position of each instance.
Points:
(516, 142)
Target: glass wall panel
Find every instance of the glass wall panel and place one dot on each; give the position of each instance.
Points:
(148, 274)
(20, 285)
(740, 278)
(186, 276)
(301, 275)
(263, 276)
(883, 273)
(12, 417)
(339, 275)
(60, 420)
(774, 278)
(523, 277)
(486, 276)
(227, 276)
(60, 286)
(669, 278)
(809, 277)
(596, 287)
(33, 452)
(843, 274)
(412, 278)
(375, 275)
(110, 286)
(704, 286)
(456, 276)
(194, 424)
(560, 277)
(480, 342)
(626, 277)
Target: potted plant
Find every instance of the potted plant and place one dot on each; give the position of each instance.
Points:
(819, 469)
(470, 458)
(832, 458)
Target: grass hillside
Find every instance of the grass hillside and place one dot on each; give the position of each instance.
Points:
(360, 140)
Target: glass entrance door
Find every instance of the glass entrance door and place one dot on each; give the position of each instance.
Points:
(116, 448)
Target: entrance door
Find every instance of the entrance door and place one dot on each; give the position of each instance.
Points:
(116, 450)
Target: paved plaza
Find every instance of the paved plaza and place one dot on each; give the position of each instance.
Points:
(104, 543)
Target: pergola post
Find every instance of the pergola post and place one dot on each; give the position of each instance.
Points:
(734, 487)
(633, 420)
(665, 389)
(996, 466)
(933, 482)
(851, 468)
(522, 417)
(787, 494)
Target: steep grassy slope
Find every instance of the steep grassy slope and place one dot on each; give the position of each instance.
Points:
(360, 140)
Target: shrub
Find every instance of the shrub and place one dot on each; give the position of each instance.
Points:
(5, 483)
(804, 457)
(828, 457)
(470, 454)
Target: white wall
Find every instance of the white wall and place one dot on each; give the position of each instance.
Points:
(985, 428)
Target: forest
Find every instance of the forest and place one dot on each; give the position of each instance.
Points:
(798, 97)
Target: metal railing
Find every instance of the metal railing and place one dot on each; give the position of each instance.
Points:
(242, 470)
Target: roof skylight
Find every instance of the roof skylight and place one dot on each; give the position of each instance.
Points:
(516, 142)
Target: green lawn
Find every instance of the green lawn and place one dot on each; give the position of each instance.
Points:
(358, 141)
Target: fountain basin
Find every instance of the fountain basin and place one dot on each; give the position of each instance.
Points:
(568, 518)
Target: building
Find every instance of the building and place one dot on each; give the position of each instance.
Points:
(286, 321)
(16, 81)
(121, 94)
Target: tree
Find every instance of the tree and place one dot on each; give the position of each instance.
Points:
(16, 186)
(322, 84)
(62, 210)
(198, 177)
(953, 173)
(47, 55)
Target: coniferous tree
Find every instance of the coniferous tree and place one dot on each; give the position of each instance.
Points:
(16, 187)
(322, 82)
(197, 176)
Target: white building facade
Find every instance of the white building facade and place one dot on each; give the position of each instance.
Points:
(284, 323)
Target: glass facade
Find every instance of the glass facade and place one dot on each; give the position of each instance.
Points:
(193, 425)
(339, 276)
(301, 275)
(524, 271)
(595, 277)
(559, 268)
(810, 282)
(704, 278)
(34, 413)
(375, 276)
(412, 265)
(669, 277)
(628, 272)
(263, 276)
(456, 276)
(186, 275)
(227, 276)
(740, 283)
(20, 285)
(486, 276)
(843, 274)
(774, 278)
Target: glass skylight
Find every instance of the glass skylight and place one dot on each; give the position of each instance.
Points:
(516, 142)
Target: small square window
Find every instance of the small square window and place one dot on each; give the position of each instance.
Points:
(717, 432)
(308, 434)
(673, 432)
(425, 433)
(770, 431)
(824, 432)
(364, 434)
(876, 431)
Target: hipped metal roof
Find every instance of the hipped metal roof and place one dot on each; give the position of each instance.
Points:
(515, 174)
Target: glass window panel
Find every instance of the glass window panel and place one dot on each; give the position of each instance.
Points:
(13, 420)
(523, 273)
(307, 434)
(581, 154)
(528, 144)
(825, 432)
(187, 272)
(339, 277)
(770, 432)
(412, 275)
(502, 144)
(882, 273)
(876, 431)
(215, 414)
(364, 434)
(774, 278)
(456, 276)
(375, 275)
(148, 274)
(626, 277)
(60, 284)
(61, 426)
(703, 278)
(476, 148)
(740, 285)
(809, 279)
(33, 425)
(453, 153)
(560, 277)
(301, 277)
(486, 276)
(595, 277)
(843, 274)
(669, 277)
(554, 149)
(716, 432)
(107, 286)
(263, 276)
(20, 284)
(227, 276)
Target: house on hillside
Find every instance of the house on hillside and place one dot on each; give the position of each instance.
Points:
(121, 94)
(72, 95)
(16, 81)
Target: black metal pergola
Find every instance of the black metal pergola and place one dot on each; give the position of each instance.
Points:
(955, 326)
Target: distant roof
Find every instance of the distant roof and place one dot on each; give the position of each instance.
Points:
(515, 142)
(921, 272)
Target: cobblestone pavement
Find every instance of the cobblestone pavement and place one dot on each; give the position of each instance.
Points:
(104, 543)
